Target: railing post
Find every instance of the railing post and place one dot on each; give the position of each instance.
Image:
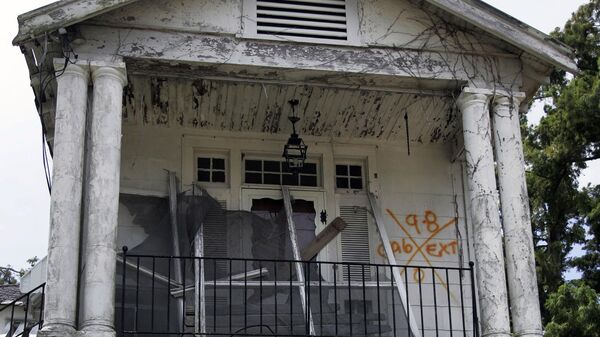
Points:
(474, 300)
(42, 304)
(123, 280)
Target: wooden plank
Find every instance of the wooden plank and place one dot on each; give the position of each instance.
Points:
(175, 235)
(389, 253)
(199, 286)
(323, 238)
(287, 203)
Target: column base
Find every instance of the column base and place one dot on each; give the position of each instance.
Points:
(529, 333)
(497, 334)
(96, 332)
(57, 330)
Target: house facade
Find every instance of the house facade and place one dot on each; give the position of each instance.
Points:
(173, 210)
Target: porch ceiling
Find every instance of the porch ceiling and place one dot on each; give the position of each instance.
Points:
(245, 106)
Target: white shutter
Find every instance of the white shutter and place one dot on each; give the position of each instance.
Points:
(215, 236)
(355, 241)
(320, 19)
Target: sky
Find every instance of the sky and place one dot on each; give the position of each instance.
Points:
(24, 199)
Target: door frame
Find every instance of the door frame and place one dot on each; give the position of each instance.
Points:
(317, 197)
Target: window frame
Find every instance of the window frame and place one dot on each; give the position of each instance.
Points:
(349, 163)
(211, 155)
(316, 161)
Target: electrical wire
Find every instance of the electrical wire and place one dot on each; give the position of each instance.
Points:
(45, 160)
(407, 132)
(68, 53)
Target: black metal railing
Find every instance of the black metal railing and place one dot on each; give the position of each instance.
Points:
(26, 314)
(250, 297)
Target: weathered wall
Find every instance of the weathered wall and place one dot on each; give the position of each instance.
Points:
(423, 205)
(403, 40)
(421, 197)
(391, 23)
(206, 16)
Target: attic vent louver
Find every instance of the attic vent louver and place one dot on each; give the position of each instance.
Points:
(319, 19)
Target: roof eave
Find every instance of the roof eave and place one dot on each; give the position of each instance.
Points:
(59, 14)
(509, 29)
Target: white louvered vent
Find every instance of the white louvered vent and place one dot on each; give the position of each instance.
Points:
(318, 19)
(355, 241)
(215, 237)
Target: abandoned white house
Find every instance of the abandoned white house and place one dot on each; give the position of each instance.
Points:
(167, 120)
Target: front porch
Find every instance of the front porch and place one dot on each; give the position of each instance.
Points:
(264, 298)
(384, 159)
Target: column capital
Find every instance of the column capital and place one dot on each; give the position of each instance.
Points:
(504, 105)
(81, 69)
(115, 70)
(505, 97)
(470, 97)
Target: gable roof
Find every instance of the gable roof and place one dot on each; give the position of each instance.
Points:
(62, 13)
(65, 13)
(507, 28)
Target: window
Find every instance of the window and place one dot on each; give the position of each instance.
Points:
(275, 172)
(325, 21)
(210, 169)
(349, 176)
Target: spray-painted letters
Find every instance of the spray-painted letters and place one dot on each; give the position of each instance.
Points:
(421, 237)
(413, 228)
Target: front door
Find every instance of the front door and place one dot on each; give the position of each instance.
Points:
(274, 241)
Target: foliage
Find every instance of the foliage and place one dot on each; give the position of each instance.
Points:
(9, 275)
(589, 263)
(574, 310)
(558, 149)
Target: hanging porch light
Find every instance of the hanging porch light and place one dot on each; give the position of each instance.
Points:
(294, 151)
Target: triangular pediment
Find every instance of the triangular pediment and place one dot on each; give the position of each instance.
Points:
(390, 23)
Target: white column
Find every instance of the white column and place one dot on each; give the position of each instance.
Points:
(518, 238)
(102, 201)
(65, 202)
(485, 216)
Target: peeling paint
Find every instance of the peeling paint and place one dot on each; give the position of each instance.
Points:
(255, 107)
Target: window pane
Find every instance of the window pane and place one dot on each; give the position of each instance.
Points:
(204, 163)
(272, 179)
(341, 182)
(203, 175)
(308, 180)
(310, 168)
(355, 171)
(218, 163)
(341, 170)
(253, 178)
(290, 179)
(218, 176)
(253, 165)
(272, 166)
(356, 183)
(284, 167)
